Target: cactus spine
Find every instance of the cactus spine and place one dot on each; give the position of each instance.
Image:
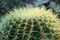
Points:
(29, 24)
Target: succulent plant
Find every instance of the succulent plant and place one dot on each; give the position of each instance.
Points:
(29, 24)
(55, 7)
(36, 3)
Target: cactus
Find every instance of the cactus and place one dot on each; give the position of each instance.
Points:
(29, 24)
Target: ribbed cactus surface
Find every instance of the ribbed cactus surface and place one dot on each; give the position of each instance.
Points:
(29, 24)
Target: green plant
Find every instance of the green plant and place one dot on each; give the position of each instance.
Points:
(3, 7)
(29, 24)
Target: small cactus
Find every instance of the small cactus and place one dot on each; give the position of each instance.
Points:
(29, 24)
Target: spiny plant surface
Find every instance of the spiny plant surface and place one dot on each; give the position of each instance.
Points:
(29, 24)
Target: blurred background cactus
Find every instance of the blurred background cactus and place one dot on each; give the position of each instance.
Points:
(6, 5)
(30, 24)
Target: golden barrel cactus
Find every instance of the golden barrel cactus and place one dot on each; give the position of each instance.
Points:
(30, 24)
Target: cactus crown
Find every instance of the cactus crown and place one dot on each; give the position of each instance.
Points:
(30, 13)
(28, 23)
(25, 13)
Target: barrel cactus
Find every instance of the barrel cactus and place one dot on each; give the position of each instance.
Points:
(29, 24)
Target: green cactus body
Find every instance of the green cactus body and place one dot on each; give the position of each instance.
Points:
(29, 24)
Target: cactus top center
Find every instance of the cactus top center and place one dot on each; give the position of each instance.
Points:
(26, 13)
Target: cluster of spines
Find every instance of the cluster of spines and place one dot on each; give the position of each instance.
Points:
(30, 26)
(30, 29)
